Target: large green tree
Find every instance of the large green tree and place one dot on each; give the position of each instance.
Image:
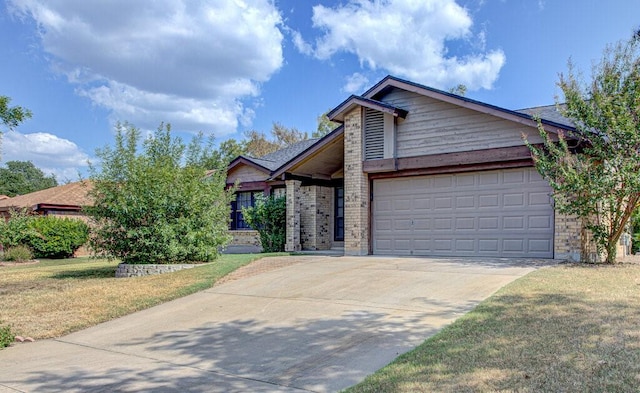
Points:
(325, 126)
(22, 177)
(11, 116)
(157, 204)
(595, 172)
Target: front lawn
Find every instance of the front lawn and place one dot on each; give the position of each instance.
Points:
(55, 297)
(570, 328)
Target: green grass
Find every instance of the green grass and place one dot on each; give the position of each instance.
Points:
(571, 328)
(55, 297)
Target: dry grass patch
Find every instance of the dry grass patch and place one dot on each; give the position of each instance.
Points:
(53, 298)
(570, 328)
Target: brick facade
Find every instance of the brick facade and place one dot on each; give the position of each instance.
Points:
(566, 240)
(356, 188)
(293, 242)
(245, 238)
(315, 217)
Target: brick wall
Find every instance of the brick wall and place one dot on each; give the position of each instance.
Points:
(315, 217)
(567, 242)
(245, 238)
(575, 243)
(356, 188)
(293, 242)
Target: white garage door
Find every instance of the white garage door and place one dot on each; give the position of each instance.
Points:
(500, 213)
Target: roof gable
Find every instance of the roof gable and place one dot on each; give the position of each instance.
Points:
(272, 161)
(551, 123)
(326, 143)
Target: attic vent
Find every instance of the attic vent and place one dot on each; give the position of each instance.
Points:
(373, 134)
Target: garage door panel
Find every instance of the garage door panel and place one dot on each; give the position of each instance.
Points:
(421, 224)
(488, 201)
(539, 199)
(442, 181)
(402, 205)
(488, 223)
(463, 202)
(464, 245)
(539, 222)
(442, 203)
(465, 223)
(516, 222)
(513, 177)
(485, 245)
(540, 245)
(383, 224)
(465, 180)
(491, 213)
(488, 178)
(513, 245)
(510, 200)
(442, 244)
(421, 203)
(440, 224)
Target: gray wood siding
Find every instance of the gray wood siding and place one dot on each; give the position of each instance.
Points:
(244, 173)
(434, 127)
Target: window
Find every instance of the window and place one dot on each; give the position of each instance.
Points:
(338, 233)
(243, 199)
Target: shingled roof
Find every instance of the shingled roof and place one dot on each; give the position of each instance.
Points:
(548, 112)
(72, 195)
(275, 160)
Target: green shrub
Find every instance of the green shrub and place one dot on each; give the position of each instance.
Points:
(17, 230)
(6, 335)
(158, 205)
(20, 253)
(268, 217)
(57, 237)
(46, 236)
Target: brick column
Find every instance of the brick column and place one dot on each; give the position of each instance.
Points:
(356, 188)
(566, 242)
(315, 217)
(293, 215)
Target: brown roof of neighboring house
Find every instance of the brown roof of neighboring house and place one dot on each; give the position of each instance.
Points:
(71, 195)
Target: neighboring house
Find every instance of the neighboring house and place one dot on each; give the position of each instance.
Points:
(66, 200)
(414, 170)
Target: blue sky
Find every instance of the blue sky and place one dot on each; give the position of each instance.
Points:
(226, 66)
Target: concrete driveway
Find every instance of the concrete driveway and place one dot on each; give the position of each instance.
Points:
(319, 325)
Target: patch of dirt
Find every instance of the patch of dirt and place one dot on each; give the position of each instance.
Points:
(260, 266)
(6, 263)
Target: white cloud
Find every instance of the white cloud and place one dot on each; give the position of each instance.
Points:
(53, 155)
(407, 38)
(301, 45)
(355, 83)
(190, 63)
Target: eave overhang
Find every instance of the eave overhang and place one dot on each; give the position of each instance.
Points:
(338, 113)
(325, 142)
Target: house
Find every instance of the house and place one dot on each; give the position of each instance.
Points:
(414, 170)
(65, 201)
(252, 176)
